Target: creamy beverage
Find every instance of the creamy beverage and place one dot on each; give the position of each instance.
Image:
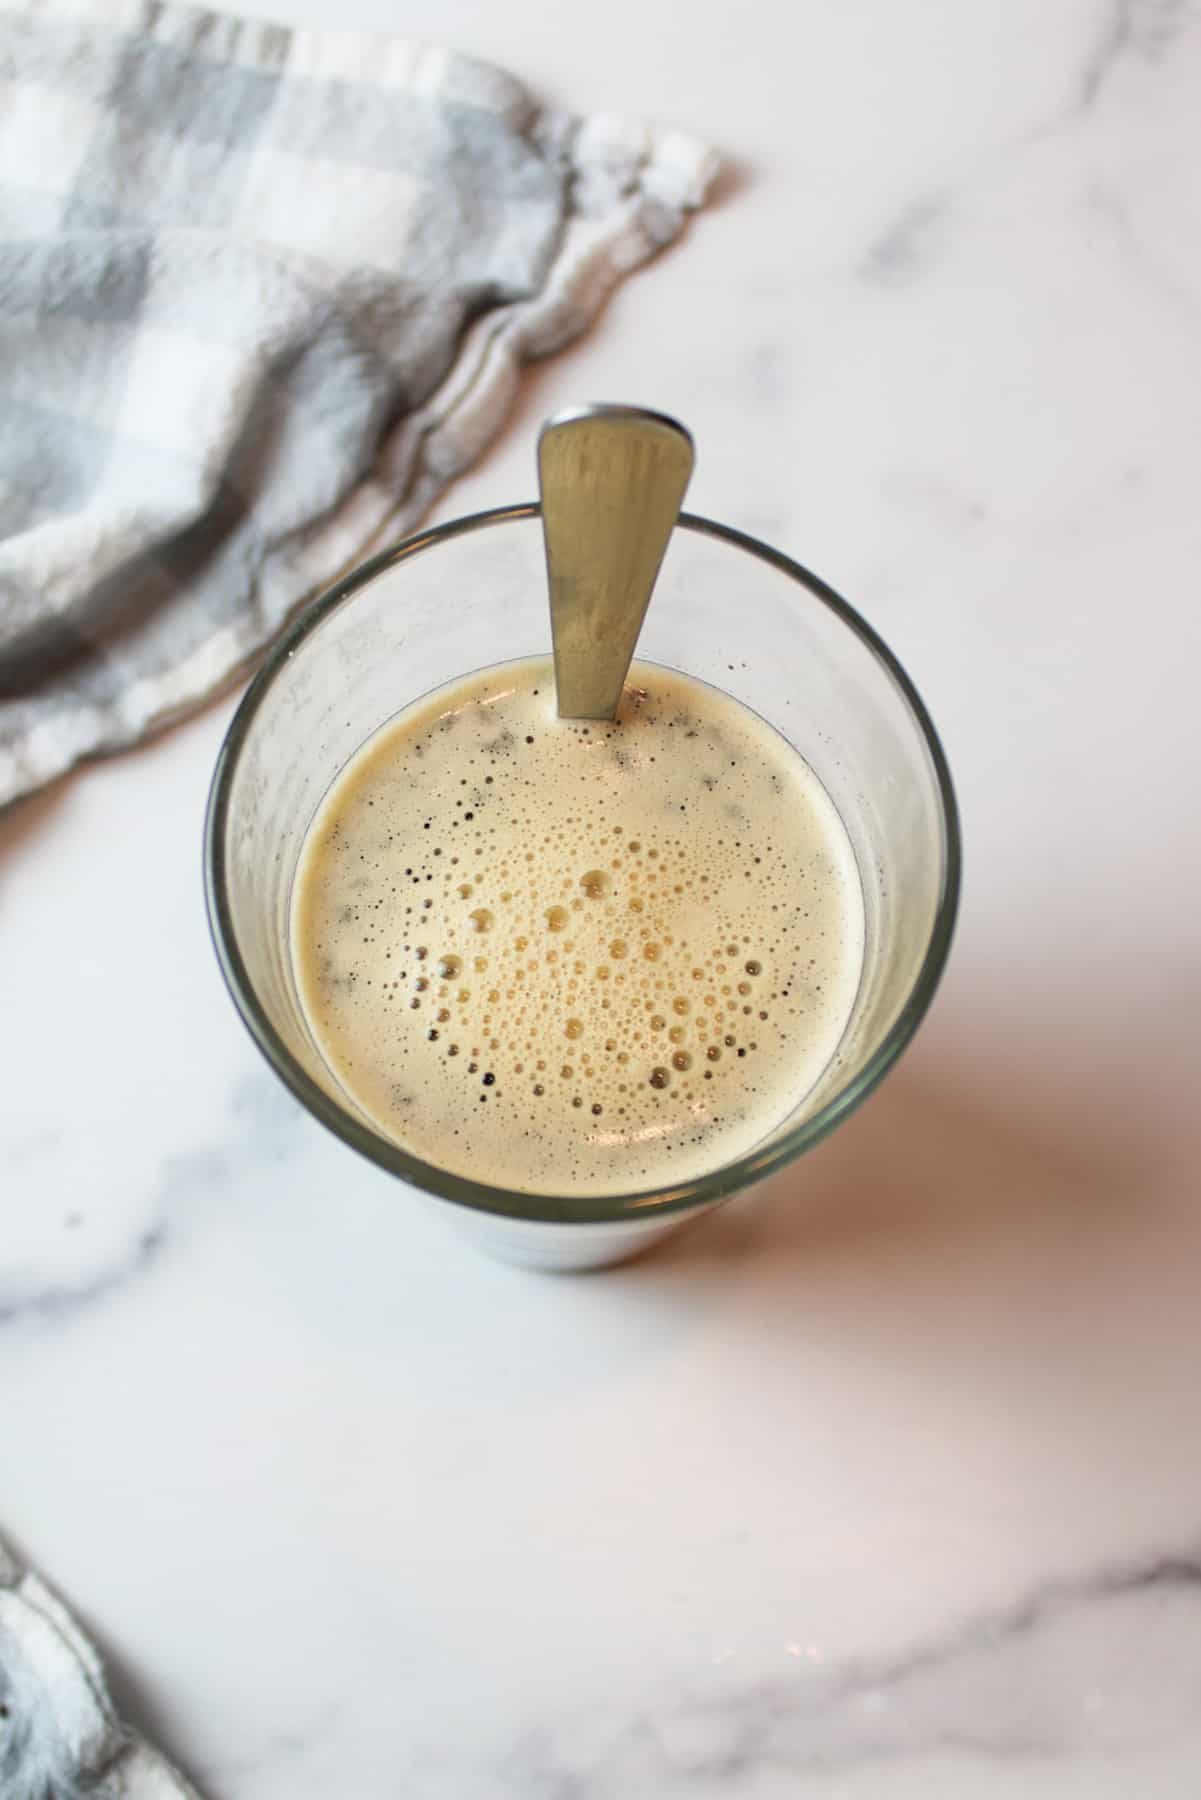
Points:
(576, 958)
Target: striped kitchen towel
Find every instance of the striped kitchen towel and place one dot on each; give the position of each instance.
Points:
(263, 292)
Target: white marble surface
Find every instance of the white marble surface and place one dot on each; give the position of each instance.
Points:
(887, 1481)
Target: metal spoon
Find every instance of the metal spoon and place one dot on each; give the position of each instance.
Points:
(612, 479)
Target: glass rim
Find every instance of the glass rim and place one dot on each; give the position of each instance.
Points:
(479, 1196)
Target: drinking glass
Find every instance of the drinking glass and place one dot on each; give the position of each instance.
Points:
(726, 609)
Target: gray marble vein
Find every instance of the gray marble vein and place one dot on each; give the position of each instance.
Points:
(259, 1132)
(1113, 41)
(21, 1299)
(1144, 27)
(1025, 1684)
(907, 247)
(1145, 262)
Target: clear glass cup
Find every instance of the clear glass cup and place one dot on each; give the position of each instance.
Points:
(726, 609)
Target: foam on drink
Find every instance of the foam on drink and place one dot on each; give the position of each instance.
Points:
(564, 957)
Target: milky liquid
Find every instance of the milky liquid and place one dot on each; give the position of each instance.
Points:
(577, 958)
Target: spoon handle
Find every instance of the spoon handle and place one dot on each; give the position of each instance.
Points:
(612, 479)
